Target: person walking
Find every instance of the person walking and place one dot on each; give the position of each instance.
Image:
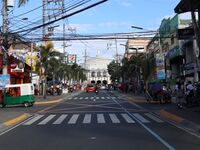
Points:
(179, 94)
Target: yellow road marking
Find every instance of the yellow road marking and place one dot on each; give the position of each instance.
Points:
(47, 108)
(171, 116)
(48, 102)
(16, 120)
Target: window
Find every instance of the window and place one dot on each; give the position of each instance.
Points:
(105, 74)
(93, 74)
(98, 74)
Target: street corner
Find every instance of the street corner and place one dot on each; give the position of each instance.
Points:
(170, 116)
(16, 120)
(48, 102)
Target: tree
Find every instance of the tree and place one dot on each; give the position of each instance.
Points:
(114, 70)
(22, 2)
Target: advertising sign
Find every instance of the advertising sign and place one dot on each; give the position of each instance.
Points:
(4, 80)
(71, 59)
(160, 66)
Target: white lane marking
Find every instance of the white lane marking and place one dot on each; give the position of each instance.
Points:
(86, 97)
(153, 118)
(87, 118)
(60, 119)
(170, 147)
(33, 120)
(128, 118)
(73, 119)
(75, 97)
(100, 118)
(114, 118)
(46, 120)
(141, 118)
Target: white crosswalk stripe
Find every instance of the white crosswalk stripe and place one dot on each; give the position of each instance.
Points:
(114, 118)
(46, 120)
(153, 118)
(92, 97)
(128, 118)
(33, 120)
(141, 118)
(86, 97)
(108, 97)
(87, 118)
(73, 119)
(81, 98)
(102, 97)
(75, 97)
(60, 119)
(100, 118)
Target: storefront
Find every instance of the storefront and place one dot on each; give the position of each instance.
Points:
(19, 71)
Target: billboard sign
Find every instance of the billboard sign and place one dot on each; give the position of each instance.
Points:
(4, 80)
(160, 66)
(71, 58)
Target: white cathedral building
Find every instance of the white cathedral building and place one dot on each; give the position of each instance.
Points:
(96, 69)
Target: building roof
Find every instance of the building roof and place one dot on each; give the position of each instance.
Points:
(187, 5)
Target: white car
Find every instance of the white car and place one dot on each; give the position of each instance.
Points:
(103, 87)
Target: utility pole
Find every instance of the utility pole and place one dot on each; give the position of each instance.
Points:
(43, 16)
(5, 33)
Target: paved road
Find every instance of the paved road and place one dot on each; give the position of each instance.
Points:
(101, 122)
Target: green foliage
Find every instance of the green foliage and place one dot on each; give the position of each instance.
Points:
(114, 70)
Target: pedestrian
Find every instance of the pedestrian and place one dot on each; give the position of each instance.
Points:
(189, 93)
(179, 94)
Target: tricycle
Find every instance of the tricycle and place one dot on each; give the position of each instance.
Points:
(158, 91)
(18, 94)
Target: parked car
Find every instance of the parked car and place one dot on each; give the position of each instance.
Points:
(90, 88)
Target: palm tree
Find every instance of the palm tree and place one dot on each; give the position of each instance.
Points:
(22, 2)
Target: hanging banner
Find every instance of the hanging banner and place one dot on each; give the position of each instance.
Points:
(160, 66)
(71, 59)
(4, 80)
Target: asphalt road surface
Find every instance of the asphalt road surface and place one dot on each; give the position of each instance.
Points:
(97, 122)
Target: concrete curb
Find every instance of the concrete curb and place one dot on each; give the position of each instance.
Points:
(184, 123)
(175, 119)
(16, 120)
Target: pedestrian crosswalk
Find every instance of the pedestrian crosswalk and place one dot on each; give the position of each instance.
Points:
(92, 98)
(99, 118)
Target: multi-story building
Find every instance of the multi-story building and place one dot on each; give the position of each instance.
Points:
(96, 70)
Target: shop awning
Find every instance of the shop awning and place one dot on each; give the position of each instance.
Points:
(187, 5)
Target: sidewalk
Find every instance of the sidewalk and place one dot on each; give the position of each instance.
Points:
(187, 118)
(10, 116)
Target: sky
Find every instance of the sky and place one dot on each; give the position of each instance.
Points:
(113, 16)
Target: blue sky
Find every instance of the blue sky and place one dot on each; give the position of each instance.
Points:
(113, 16)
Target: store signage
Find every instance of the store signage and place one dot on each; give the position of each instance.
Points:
(4, 80)
(185, 33)
(71, 59)
(160, 66)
